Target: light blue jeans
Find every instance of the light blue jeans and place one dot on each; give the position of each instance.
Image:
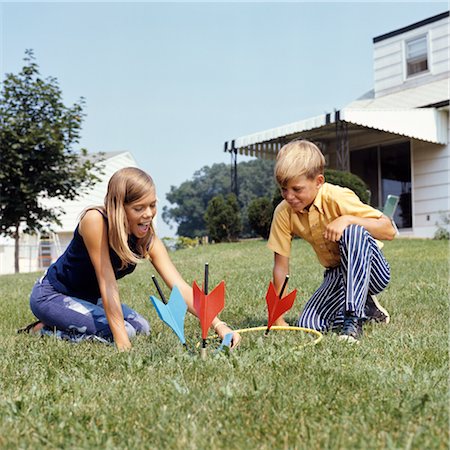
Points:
(76, 319)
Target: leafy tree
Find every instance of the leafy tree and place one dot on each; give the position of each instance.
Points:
(190, 199)
(260, 211)
(38, 161)
(223, 219)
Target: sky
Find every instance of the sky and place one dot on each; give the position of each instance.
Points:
(171, 82)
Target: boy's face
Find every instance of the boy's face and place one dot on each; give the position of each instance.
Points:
(300, 192)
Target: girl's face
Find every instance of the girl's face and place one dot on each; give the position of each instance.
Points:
(140, 214)
(300, 192)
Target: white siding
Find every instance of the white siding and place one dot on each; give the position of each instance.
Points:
(72, 209)
(431, 184)
(389, 58)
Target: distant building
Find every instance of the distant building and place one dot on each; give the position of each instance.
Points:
(396, 136)
(37, 253)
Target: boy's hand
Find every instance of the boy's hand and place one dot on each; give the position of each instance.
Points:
(334, 230)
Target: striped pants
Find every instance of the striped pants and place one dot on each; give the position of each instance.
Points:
(363, 270)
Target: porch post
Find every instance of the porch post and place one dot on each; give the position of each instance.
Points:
(233, 153)
(342, 144)
(234, 178)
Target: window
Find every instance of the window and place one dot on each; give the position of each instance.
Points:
(386, 170)
(416, 56)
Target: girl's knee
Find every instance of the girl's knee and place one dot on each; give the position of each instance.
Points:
(144, 327)
(137, 326)
(131, 331)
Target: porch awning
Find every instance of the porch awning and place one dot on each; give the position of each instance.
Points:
(423, 124)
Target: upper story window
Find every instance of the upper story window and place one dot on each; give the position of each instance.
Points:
(416, 55)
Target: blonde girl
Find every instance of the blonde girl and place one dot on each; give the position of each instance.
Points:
(79, 295)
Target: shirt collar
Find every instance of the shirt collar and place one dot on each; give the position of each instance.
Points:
(317, 203)
(319, 200)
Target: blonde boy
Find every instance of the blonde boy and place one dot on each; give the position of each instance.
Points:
(342, 231)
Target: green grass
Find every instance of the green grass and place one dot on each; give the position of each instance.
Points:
(389, 392)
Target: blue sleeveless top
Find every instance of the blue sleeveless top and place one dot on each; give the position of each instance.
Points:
(73, 273)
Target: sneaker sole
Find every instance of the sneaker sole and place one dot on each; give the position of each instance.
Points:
(349, 339)
(386, 319)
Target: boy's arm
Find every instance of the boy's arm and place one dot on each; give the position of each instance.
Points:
(380, 228)
(280, 270)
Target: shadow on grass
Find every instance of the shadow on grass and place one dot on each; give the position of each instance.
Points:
(259, 321)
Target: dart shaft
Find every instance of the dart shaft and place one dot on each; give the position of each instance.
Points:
(284, 286)
(203, 349)
(206, 278)
(160, 292)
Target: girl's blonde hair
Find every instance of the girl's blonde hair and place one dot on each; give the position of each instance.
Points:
(299, 157)
(126, 186)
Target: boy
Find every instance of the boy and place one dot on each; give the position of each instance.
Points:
(342, 231)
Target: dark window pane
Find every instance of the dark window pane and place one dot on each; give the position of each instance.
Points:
(395, 165)
(364, 163)
(387, 171)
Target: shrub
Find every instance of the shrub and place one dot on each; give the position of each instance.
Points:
(348, 180)
(223, 219)
(180, 242)
(260, 211)
(442, 232)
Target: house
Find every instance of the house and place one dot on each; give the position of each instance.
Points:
(395, 137)
(37, 253)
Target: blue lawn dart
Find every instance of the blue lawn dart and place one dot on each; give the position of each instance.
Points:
(172, 312)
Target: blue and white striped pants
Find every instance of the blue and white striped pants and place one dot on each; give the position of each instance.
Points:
(363, 270)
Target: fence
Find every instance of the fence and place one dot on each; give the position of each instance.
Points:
(32, 258)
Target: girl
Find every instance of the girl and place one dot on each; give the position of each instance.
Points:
(79, 294)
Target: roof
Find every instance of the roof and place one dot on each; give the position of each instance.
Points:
(416, 113)
(411, 27)
(423, 124)
(416, 97)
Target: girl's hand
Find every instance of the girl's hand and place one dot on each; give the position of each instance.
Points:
(223, 329)
(124, 345)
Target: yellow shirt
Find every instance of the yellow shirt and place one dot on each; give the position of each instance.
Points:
(330, 203)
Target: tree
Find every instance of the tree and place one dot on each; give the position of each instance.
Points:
(223, 219)
(260, 211)
(38, 161)
(190, 199)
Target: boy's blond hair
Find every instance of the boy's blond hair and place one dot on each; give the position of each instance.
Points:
(299, 157)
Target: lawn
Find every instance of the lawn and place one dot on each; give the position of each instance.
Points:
(275, 392)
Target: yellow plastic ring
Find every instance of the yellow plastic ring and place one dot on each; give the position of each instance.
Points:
(318, 334)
